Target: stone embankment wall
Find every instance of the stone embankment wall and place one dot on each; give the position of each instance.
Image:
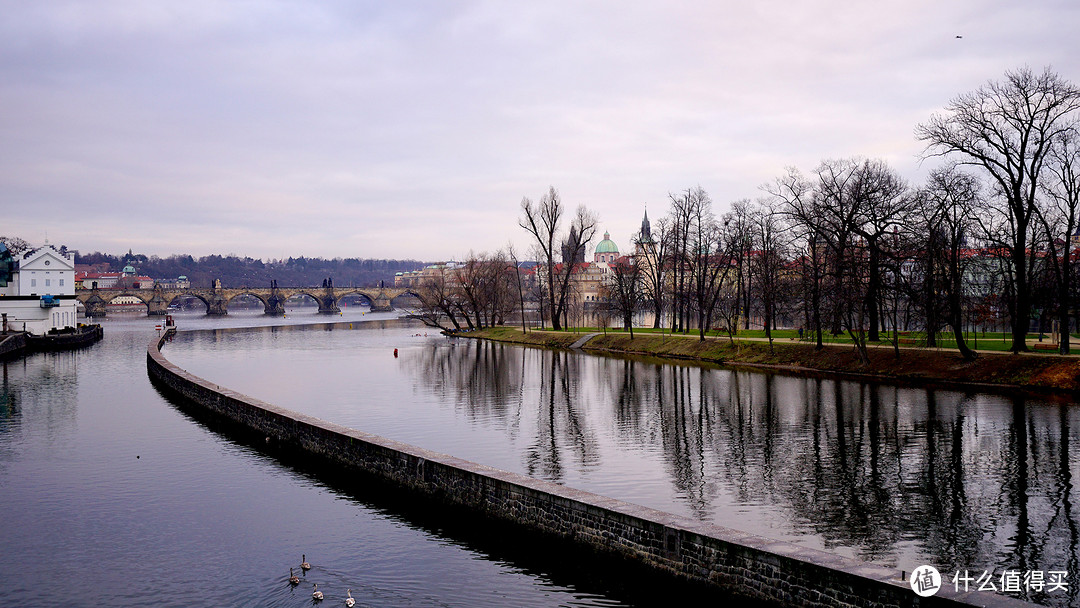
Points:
(745, 564)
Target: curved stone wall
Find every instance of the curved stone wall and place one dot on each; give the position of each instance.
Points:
(749, 565)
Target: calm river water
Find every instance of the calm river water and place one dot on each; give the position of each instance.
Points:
(110, 496)
(118, 496)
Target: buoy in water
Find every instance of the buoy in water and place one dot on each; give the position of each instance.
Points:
(395, 353)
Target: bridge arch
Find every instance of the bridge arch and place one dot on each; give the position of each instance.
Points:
(305, 293)
(109, 299)
(188, 294)
(248, 294)
(409, 292)
(367, 298)
(294, 298)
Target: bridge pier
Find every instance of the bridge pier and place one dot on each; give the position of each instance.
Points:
(381, 303)
(274, 305)
(328, 303)
(157, 306)
(217, 306)
(95, 306)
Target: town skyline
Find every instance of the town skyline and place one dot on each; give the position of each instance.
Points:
(331, 130)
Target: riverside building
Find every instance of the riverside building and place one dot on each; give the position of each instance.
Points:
(37, 290)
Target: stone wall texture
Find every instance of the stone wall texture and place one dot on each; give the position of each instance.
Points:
(745, 564)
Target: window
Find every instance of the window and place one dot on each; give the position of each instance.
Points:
(48, 282)
(33, 282)
(61, 282)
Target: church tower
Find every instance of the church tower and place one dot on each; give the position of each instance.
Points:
(644, 244)
(645, 236)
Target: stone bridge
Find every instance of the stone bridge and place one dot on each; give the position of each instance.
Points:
(217, 298)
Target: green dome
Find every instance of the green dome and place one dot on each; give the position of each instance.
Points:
(607, 245)
(129, 269)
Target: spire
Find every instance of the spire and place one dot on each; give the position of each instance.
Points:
(646, 230)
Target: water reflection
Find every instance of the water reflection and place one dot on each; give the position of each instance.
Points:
(39, 391)
(894, 475)
(108, 491)
(898, 476)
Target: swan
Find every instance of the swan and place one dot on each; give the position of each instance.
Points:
(303, 563)
(293, 579)
(349, 601)
(316, 594)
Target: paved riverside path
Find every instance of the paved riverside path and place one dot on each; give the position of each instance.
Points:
(581, 341)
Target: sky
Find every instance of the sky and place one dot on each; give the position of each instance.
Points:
(414, 129)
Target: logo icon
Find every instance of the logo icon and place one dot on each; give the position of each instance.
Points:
(925, 581)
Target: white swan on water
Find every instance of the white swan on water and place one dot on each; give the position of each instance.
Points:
(349, 601)
(303, 563)
(316, 594)
(293, 579)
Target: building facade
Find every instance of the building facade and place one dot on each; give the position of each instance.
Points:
(37, 290)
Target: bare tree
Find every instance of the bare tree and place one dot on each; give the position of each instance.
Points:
(543, 220)
(653, 264)
(706, 255)
(15, 245)
(1007, 129)
(948, 202)
(767, 265)
(681, 221)
(739, 231)
(1060, 218)
(624, 290)
(829, 210)
(883, 204)
(512, 254)
(438, 307)
(795, 194)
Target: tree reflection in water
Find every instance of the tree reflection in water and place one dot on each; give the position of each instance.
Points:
(900, 476)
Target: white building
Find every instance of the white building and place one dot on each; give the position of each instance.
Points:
(37, 291)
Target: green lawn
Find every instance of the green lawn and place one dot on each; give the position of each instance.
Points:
(986, 341)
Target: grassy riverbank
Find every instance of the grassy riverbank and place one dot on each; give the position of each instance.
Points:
(1048, 373)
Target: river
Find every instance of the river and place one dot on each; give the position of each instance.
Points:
(118, 491)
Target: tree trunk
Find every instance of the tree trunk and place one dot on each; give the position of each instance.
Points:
(1022, 309)
(873, 286)
(1064, 300)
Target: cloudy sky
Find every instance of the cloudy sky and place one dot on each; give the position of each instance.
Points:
(414, 129)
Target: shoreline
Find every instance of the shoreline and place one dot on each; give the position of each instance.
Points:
(1033, 374)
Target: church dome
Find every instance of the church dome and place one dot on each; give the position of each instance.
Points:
(607, 245)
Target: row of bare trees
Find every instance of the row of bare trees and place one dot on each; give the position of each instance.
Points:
(477, 293)
(848, 247)
(858, 250)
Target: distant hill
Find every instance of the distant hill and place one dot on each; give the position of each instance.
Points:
(248, 272)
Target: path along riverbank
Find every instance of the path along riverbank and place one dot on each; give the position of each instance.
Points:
(1029, 372)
